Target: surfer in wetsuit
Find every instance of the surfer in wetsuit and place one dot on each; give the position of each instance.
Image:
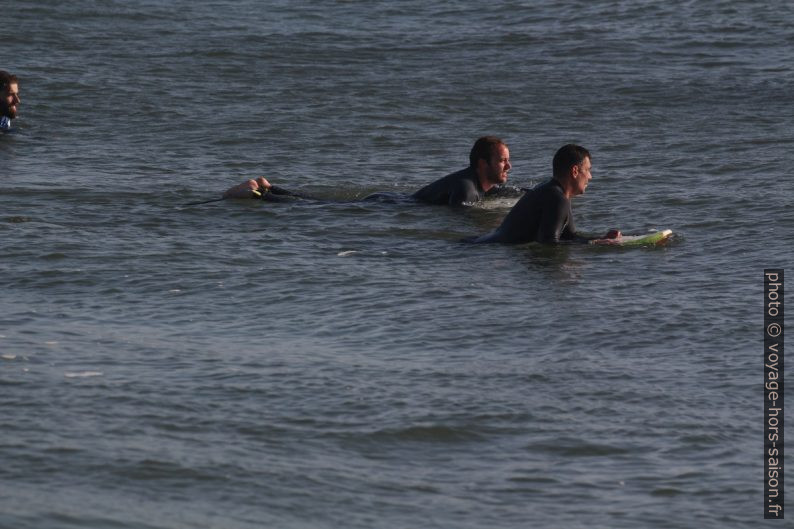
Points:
(489, 163)
(544, 213)
(9, 99)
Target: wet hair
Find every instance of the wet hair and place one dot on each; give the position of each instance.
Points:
(7, 79)
(566, 157)
(483, 149)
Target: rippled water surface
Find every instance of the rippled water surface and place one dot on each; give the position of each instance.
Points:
(242, 364)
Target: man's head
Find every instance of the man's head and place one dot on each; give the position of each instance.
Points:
(490, 157)
(9, 94)
(571, 168)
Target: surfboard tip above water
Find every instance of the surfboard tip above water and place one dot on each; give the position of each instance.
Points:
(655, 238)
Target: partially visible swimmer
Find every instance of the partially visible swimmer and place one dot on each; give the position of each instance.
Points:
(9, 99)
(544, 213)
(485, 177)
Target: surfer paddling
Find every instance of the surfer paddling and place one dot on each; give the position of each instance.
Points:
(544, 213)
(489, 163)
(9, 99)
(486, 175)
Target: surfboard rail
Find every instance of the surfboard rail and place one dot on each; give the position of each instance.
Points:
(648, 239)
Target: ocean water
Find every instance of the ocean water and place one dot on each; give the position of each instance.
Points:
(242, 364)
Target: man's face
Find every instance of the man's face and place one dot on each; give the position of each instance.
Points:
(498, 165)
(9, 101)
(582, 176)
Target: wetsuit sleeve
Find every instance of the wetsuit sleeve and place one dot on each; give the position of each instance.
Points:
(464, 194)
(569, 232)
(555, 220)
(279, 194)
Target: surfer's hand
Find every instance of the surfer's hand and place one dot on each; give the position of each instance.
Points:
(613, 234)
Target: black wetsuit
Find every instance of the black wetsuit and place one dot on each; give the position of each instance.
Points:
(461, 189)
(457, 189)
(543, 215)
(279, 194)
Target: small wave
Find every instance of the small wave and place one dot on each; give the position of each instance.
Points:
(18, 219)
(442, 434)
(497, 203)
(577, 448)
(347, 253)
(82, 374)
(666, 492)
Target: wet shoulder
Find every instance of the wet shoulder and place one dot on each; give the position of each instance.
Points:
(549, 191)
(439, 190)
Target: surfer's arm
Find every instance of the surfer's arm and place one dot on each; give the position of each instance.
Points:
(555, 220)
(563, 216)
(464, 194)
(279, 194)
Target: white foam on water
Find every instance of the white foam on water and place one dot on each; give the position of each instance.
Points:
(83, 374)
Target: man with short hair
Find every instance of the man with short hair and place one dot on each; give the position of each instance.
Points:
(9, 99)
(544, 213)
(489, 163)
